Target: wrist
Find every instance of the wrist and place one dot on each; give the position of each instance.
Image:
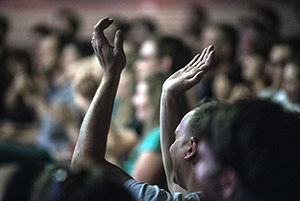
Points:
(169, 93)
(108, 76)
(168, 96)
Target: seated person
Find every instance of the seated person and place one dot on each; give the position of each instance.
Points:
(91, 145)
(227, 152)
(250, 151)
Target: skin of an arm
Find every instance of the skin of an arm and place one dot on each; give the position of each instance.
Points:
(91, 144)
(170, 114)
(148, 167)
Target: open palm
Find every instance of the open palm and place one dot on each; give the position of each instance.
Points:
(191, 74)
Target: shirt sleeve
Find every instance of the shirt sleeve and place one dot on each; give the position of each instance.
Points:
(144, 192)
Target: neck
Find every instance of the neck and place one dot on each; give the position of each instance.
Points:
(192, 184)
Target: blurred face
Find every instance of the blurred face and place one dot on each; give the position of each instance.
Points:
(211, 36)
(47, 53)
(141, 101)
(292, 83)
(206, 174)
(278, 57)
(147, 62)
(252, 67)
(250, 40)
(69, 55)
(178, 149)
(125, 85)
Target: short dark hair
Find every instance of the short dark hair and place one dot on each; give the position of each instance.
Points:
(260, 141)
(60, 183)
(205, 108)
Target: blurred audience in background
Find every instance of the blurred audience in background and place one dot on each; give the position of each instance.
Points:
(145, 161)
(47, 85)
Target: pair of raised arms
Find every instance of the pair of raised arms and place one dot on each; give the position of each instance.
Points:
(91, 144)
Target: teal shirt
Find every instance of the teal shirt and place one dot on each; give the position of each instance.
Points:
(150, 143)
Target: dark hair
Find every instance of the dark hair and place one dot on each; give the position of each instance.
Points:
(229, 34)
(171, 46)
(4, 25)
(42, 29)
(147, 22)
(198, 121)
(83, 47)
(71, 17)
(20, 184)
(22, 56)
(59, 183)
(260, 141)
(268, 15)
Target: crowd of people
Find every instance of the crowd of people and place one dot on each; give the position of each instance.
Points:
(210, 114)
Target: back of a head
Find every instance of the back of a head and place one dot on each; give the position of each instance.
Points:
(58, 183)
(19, 177)
(198, 122)
(260, 142)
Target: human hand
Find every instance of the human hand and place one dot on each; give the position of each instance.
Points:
(111, 58)
(190, 75)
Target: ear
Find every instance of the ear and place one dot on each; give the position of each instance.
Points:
(228, 182)
(191, 149)
(166, 64)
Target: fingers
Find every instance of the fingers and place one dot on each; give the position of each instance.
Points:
(99, 28)
(194, 78)
(203, 53)
(103, 24)
(209, 49)
(210, 57)
(201, 65)
(193, 60)
(118, 42)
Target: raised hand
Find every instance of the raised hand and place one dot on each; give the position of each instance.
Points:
(111, 58)
(191, 74)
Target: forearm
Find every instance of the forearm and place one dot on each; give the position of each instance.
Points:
(91, 143)
(170, 117)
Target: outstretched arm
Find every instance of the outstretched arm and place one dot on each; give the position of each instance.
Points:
(170, 115)
(91, 144)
